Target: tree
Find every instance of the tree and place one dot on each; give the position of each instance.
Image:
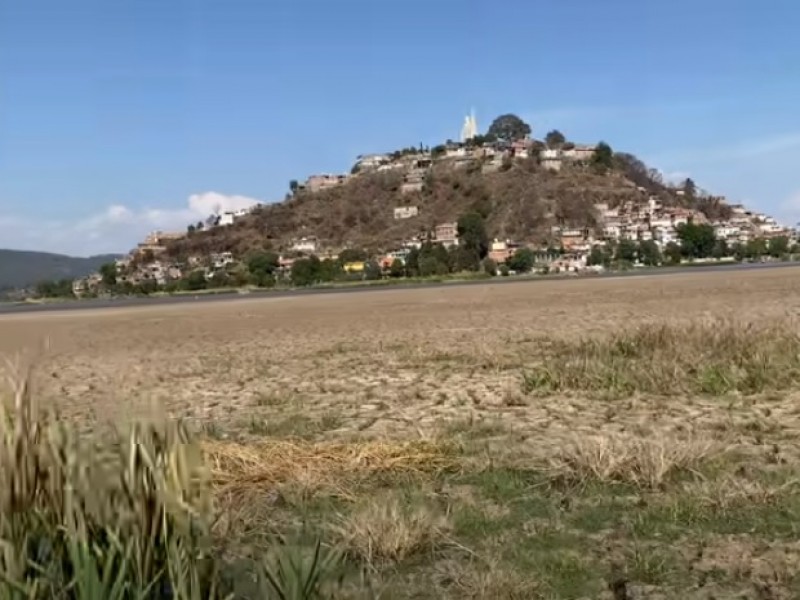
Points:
(412, 262)
(149, 286)
(396, 269)
(626, 251)
(720, 249)
(305, 271)
(638, 172)
(603, 158)
(429, 259)
(191, 229)
(294, 186)
(554, 139)
(756, 248)
(262, 267)
(108, 272)
(61, 288)
(472, 234)
(649, 253)
(330, 270)
(522, 260)
(372, 271)
(509, 128)
(779, 246)
(598, 257)
(697, 241)
(429, 266)
(689, 188)
(489, 267)
(462, 258)
(196, 280)
(673, 253)
(352, 255)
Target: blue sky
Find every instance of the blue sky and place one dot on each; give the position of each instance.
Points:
(120, 117)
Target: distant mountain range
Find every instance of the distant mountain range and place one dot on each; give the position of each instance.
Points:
(19, 269)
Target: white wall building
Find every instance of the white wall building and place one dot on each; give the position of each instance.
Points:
(405, 212)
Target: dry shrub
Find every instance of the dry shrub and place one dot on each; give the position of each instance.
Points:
(480, 581)
(386, 530)
(712, 357)
(76, 509)
(644, 462)
(238, 469)
(118, 516)
(735, 492)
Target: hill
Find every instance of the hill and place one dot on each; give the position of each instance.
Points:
(19, 269)
(521, 200)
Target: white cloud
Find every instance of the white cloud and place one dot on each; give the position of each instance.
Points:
(116, 229)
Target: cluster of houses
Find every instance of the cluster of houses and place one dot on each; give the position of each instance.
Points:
(416, 165)
(637, 221)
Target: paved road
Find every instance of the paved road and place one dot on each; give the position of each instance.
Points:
(6, 308)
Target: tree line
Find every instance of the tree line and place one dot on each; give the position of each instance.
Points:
(696, 241)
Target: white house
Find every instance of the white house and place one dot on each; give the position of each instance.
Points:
(308, 245)
(405, 212)
(220, 260)
(371, 161)
(725, 231)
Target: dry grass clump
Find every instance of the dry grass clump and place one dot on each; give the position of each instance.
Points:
(482, 581)
(122, 516)
(712, 357)
(735, 492)
(386, 530)
(644, 462)
(99, 517)
(238, 469)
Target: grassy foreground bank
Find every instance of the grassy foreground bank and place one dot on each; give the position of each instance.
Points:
(480, 510)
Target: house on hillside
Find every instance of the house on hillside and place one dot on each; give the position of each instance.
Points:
(550, 158)
(405, 212)
(521, 148)
(501, 250)
(220, 260)
(446, 234)
(579, 152)
(455, 152)
(306, 245)
(367, 162)
(229, 216)
(324, 181)
(157, 241)
(413, 181)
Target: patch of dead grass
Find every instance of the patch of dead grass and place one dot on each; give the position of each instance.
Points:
(485, 581)
(712, 357)
(643, 462)
(237, 469)
(387, 530)
(734, 492)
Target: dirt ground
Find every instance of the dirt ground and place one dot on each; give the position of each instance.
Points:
(687, 496)
(388, 362)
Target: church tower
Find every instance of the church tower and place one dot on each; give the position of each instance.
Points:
(470, 128)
